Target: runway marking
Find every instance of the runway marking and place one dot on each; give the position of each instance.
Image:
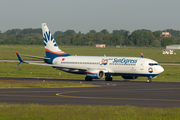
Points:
(134, 90)
(26, 96)
(26, 92)
(62, 94)
(144, 99)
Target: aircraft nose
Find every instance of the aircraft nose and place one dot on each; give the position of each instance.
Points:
(161, 69)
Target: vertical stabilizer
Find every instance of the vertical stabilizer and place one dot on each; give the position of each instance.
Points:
(51, 48)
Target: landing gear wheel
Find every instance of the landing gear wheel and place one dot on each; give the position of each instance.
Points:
(149, 81)
(108, 78)
(88, 79)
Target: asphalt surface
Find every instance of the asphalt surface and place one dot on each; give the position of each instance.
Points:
(141, 94)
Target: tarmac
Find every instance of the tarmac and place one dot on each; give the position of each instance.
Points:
(134, 93)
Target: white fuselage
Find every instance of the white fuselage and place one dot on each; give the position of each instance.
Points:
(114, 65)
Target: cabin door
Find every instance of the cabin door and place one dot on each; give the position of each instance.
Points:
(142, 65)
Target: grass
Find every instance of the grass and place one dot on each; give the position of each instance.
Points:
(42, 84)
(171, 73)
(33, 71)
(7, 52)
(68, 112)
(55, 112)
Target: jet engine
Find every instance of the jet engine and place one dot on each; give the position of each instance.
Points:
(130, 77)
(95, 74)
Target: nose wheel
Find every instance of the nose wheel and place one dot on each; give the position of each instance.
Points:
(149, 81)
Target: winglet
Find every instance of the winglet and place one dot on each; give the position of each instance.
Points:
(142, 55)
(21, 61)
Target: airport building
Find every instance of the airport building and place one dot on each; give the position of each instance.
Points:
(101, 45)
(173, 47)
(170, 49)
(165, 35)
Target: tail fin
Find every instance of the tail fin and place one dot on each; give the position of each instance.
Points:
(51, 48)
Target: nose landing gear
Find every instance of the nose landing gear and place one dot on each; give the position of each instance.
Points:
(149, 80)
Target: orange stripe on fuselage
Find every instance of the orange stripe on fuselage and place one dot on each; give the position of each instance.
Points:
(92, 73)
(58, 53)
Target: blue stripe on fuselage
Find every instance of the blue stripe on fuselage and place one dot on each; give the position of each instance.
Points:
(130, 74)
(52, 56)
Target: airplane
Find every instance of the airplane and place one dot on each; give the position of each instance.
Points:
(95, 67)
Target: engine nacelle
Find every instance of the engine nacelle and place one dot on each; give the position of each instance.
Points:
(95, 74)
(130, 77)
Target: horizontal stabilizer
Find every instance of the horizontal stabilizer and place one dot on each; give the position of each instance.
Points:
(21, 61)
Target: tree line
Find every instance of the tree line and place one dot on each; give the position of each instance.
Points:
(141, 37)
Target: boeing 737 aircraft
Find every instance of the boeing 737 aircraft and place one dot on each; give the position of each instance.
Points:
(95, 67)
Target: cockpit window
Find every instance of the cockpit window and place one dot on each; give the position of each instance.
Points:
(152, 64)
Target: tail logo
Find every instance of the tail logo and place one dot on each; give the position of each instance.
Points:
(47, 38)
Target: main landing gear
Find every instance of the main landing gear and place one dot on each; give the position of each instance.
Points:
(108, 78)
(88, 78)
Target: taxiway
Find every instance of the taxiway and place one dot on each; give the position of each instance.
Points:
(136, 93)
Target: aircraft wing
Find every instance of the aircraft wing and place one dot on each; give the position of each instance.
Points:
(60, 66)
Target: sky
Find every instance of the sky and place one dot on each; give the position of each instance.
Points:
(86, 15)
